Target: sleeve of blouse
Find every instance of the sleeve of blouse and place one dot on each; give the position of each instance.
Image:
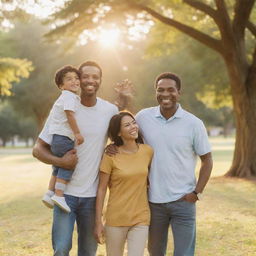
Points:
(106, 164)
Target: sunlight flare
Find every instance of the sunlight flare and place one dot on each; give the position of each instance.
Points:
(109, 37)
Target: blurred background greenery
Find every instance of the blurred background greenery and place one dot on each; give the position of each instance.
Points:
(31, 51)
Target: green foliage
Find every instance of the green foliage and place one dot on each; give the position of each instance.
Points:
(27, 128)
(78, 16)
(215, 100)
(164, 40)
(12, 70)
(12, 124)
(8, 123)
(34, 96)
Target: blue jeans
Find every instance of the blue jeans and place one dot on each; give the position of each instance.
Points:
(83, 212)
(60, 146)
(180, 215)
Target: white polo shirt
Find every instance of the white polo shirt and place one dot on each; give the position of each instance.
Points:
(93, 124)
(176, 143)
(58, 122)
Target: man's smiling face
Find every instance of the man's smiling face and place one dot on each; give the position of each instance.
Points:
(167, 94)
(90, 80)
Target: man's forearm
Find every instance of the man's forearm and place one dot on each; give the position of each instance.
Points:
(42, 152)
(204, 173)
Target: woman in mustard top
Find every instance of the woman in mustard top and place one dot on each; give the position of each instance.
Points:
(125, 174)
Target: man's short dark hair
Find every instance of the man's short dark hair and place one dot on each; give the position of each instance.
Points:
(90, 63)
(115, 126)
(60, 73)
(169, 75)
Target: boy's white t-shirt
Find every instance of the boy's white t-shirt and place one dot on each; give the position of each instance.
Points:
(93, 124)
(58, 122)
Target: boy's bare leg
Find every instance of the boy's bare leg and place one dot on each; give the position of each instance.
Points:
(52, 182)
(47, 196)
(58, 197)
(58, 190)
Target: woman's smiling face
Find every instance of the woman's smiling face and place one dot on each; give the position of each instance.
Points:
(129, 128)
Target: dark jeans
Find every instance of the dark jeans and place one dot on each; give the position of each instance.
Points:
(60, 146)
(83, 212)
(180, 215)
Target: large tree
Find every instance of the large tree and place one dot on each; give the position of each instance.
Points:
(220, 25)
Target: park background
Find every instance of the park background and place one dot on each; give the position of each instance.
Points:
(135, 40)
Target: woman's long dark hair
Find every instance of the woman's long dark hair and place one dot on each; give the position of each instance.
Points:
(114, 128)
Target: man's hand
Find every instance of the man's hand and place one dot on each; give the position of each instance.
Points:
(42, 151)
(125, 92)
(111, 150)
(69, 160)
(191, 197)
(125, 88)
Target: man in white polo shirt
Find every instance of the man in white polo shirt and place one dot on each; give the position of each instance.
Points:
(93, 116)
(177, 138)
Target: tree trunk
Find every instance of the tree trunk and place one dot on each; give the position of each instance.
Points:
(13, 142)
(244, 160)
(227, 127)
(27, 142)
(244, 100)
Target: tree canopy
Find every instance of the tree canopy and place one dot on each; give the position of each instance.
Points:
(12, 70)
(226, 27)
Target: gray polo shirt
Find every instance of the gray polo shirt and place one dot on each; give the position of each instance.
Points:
(176, 143)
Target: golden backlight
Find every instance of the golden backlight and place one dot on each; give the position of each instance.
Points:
(109, 37)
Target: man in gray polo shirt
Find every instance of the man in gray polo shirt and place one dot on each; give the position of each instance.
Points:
(177, 138)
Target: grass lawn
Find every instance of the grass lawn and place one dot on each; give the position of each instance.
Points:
(226, 218)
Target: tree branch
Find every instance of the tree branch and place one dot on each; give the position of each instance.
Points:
(194, 33)
(242, 10)
(251, 27)
(202, 7)
(210, 11)
(224, 23)
(221, 7)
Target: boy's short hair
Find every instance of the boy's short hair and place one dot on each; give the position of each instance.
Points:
(169, 75)
(60, 73)
(90, 63)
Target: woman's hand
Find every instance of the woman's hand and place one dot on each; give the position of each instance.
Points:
(99, 233)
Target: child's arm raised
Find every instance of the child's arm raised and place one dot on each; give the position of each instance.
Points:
(74, 127)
